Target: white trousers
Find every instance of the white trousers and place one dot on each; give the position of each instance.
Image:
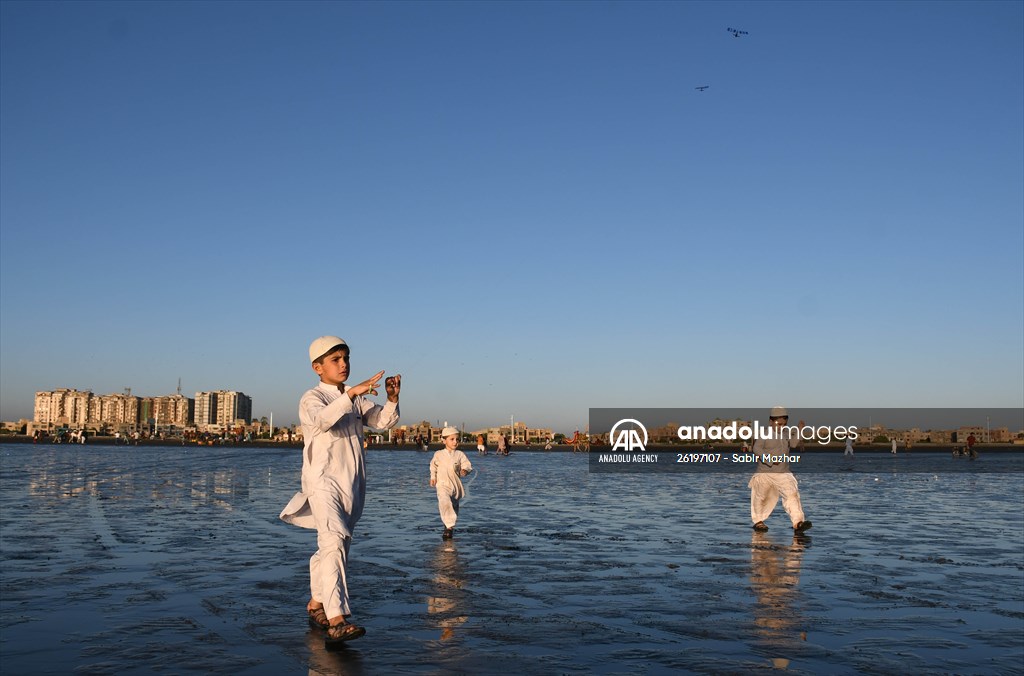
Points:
(328, 583)
(448, 506)
(765, 489)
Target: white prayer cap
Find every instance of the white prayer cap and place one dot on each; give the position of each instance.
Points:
(448, 431)
(779, 412)
(322, 346)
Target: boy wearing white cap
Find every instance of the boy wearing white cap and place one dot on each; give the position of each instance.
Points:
(446, 467)
(773, 477)
(334, 476)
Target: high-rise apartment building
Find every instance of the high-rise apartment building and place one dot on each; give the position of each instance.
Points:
(221, 408)
(62, 407)
(78, 409)
(82, 409)
(162, 413)
(232, 406)
(119, 410)
(205, 409)
(175, 410)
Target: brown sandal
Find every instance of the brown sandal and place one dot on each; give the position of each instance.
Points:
(318, 618)
(339, 633)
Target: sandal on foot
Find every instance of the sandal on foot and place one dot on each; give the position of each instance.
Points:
(760, 527)
(318, 618)
(339, 633)
(801, 526)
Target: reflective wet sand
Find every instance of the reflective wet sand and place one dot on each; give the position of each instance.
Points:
(139, 559)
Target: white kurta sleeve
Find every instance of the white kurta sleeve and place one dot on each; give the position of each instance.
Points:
(380, 417)
(433, 467)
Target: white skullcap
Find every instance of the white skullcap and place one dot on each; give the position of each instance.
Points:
(322, 346)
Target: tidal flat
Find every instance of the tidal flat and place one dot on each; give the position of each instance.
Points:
(118, 560)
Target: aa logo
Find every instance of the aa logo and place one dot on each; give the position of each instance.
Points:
(628, 438)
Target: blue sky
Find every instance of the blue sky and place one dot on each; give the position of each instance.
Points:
(524, 208)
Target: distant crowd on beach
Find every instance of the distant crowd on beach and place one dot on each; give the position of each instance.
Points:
(136, 437)
(64, 436)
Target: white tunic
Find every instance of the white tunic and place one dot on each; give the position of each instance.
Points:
(333, 458)
(445, 468)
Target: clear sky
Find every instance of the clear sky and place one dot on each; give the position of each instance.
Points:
(525, 208)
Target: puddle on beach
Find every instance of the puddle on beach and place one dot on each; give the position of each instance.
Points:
(149, 559)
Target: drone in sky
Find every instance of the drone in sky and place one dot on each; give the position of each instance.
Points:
(702, 87)
(736, 33)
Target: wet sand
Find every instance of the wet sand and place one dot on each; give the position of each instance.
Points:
(155, 559)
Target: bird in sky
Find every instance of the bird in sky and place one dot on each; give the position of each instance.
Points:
(702, 87)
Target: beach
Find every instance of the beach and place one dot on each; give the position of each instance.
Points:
(172, 560)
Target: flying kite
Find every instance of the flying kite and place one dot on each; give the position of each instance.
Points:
(702, 87)
(736, 33)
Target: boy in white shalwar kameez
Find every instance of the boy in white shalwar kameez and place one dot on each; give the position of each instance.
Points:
(773, 477)
(446, 467)
(334, 476)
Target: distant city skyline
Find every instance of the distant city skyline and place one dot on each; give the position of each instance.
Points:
(526, 209)
(220, 407)
(215, 407)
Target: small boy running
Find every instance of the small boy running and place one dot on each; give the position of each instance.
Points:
(446, 467)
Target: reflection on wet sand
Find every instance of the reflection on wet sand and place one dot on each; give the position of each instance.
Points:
(344, 660)
(124, 473)
(448, 578)
(774, 579)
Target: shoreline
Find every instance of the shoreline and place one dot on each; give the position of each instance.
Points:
(531, 448)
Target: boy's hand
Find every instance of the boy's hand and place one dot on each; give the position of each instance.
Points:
(393, 385)
(366, 388)
(433, 482)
